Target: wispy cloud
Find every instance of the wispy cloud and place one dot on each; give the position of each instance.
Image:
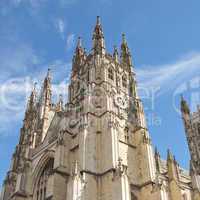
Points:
(70, 41)
(60, 27)
(16, 81)
(7, 6)
(168, 76)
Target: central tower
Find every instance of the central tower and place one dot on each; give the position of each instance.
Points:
(114, 153)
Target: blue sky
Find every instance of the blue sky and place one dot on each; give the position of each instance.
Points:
(163, 37)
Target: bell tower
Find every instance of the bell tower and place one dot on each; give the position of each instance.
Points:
(115, 149)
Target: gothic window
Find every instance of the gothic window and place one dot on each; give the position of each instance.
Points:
(41, 185)
(124, 81)
(110, 73)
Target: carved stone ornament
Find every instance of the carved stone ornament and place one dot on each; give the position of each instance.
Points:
(73, 123)
(120, 101)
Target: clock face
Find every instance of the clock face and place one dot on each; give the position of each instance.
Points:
(121, 101)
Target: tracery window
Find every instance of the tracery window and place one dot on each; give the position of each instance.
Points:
(110, 73)
(41, 186)
(124, 81)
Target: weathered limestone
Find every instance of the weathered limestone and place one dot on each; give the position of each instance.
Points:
(97, 146)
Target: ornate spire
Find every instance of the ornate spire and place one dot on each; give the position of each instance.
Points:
(125, 53)
(172, 166)
(115, 54)
(79, 56)
(47, 87)
(98, 38)
(173, 176)
(79, 43)
(32, 99)
(184, 106)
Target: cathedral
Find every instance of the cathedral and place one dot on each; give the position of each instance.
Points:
(96, 146)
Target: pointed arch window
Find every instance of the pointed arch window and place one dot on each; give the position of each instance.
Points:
(111, 73)
(124, 81)
(41, 186)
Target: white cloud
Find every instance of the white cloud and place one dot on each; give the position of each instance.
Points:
(70, 41)
(60, 27)
(168, 76)
(20, 67)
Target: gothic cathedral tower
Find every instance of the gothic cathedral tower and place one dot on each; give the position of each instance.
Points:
(97, 146)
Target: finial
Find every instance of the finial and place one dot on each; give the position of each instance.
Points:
(48, 73)
(98, 39)
(115, 49)
(79, 43)
(184, 106)
(123, 38)
(115, 53)
(98, 20)
(169, 155)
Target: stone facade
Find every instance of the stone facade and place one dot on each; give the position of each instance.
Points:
(96, 146)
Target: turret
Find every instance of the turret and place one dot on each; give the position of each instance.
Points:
(98, 39)
(126, 59)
